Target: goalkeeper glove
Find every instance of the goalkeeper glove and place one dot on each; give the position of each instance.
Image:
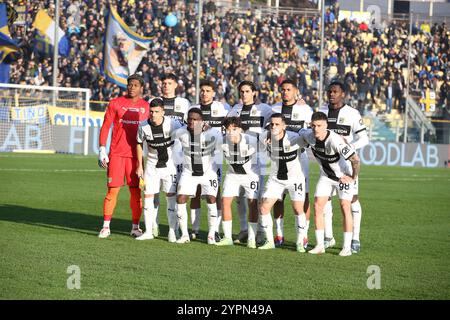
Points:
(102, 157)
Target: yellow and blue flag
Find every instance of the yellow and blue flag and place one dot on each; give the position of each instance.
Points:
(8, 46)
(123, 50)
(46, 27)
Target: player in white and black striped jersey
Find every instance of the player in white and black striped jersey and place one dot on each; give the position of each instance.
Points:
(286, 175)
(297, 115)
(254, 118)
(175, 108)
(214, 113)
(331, 152)
(199, 146)
(347, 122)
(160, 171)
(240, 151)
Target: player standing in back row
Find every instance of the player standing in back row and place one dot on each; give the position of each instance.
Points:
(347, 122)
(254, 118)
(175, 108)
(214, 112)
(125, 113)
(297, 115)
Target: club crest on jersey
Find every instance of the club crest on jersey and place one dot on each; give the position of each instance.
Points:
(295, 116)
(345, 151)
(254, 111)
(142, 110)
(287, 148)
(177, 107)
(341, 120)
(215, 113)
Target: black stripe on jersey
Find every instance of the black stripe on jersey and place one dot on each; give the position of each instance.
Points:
(209, 118)
(169, 109)
(160, 144)
(236, 161)
(249, 121)
(277, 154)
(350, 156)
(196, 155)
(325, 159)
(360, 130)
(333, 115)
(286, 111)
(282, 167)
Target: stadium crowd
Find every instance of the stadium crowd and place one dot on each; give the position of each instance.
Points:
(240, 47)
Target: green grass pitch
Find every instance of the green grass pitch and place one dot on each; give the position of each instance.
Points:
(50, 215)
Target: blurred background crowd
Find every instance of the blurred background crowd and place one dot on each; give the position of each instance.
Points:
(238, 46)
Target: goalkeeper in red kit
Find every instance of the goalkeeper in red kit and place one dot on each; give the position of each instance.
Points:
(125, 113)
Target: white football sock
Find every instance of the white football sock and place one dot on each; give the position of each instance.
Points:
(156, 206)
(182, 219)
(135, 226)
(212, 219)
(195, 219)
(149, 212)
(242, 209)
(300, 227)
(267, 226)
(106, 223)
(356, 213)
(227, 227)
(253, 227)
(219, 220)
(171, 214)
(279, 224)
(320, 238)
(328, 217)
(347, 240)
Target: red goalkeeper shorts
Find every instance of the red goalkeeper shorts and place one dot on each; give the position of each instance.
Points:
(120, 168)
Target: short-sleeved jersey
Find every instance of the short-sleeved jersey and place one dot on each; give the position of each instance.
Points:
(254, 117)
(176, 108)
(345, 121)
(213, 113)
(240, 156)
(126, 116)
(331, 153)
(159, 141)
(298, 116)
(198, 150)
(283, 153)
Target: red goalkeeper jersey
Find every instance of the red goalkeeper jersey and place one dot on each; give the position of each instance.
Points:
(125, 115)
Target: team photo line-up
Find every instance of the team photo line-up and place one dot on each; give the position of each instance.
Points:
(185, 148)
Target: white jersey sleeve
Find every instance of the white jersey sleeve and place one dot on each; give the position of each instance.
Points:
(140, 133)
